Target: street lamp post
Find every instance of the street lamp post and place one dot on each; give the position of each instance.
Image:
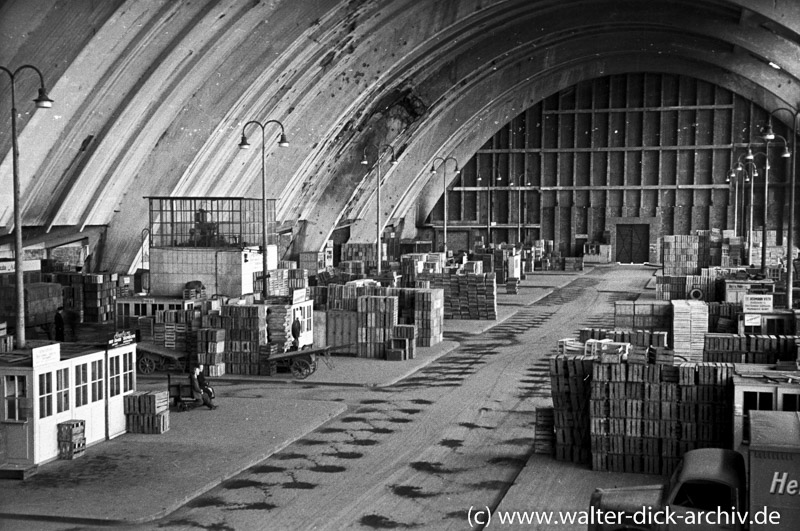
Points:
(380, 149)
(769, 135)
(751, 157)
(443, 162)
(282, 142)
(43, 102)
(733, 174)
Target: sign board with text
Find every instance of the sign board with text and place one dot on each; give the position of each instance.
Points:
(757, 304)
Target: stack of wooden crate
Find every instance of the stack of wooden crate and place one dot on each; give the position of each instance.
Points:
(266, 365)
(409, 332)
(341, 331)
(644, 417)
(466, 296)
(429, 316)
(72, 292)
(377, 317)
(277, 282)
(637, 338)
(297, 279)
(689, 327)
(71, 439)
(279, 326)
(99, 296)
(544, 438)
(512, 285)
(147, 412)
(750, 348)
(363, 252)
(571, 384)
(211, 349)
(681, 255)
(313, 262)
(245, 331)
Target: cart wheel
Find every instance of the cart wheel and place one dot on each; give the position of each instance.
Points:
(301, 369)
(146, 364)
(161, 364)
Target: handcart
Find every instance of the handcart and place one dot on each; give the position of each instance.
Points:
(302, 363)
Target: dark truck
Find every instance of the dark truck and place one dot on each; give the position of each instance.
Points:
(710, 490)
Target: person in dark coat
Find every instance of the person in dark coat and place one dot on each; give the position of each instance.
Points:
(296, 329)
(60, 323)
(197, 391)
(204, 384)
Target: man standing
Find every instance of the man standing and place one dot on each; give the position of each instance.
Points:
(60, 323)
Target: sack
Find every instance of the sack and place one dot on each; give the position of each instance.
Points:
(209, 391)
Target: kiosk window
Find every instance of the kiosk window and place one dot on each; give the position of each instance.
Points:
(97, 380)
(62, 390)
(81, 385)
(127, 372)
(15, 393)
(45, 395)
(113, 376)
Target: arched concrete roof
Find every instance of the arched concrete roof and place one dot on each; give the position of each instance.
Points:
(151, 95)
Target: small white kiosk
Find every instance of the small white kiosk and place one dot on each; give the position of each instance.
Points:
(50, 383)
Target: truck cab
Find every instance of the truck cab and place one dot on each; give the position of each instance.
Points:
(708, 480)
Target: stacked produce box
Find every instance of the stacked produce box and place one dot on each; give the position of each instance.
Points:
(377, 317)
(750, 348)
(644, 417)
(689, 327)
(71, 439)
(147, 412)
(245, 332)
(429, 316)
(99, 294)
(571, 384)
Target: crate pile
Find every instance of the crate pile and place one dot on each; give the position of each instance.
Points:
(637, 338)
(6, 341)
(279, 326)
(681, 255)
(429, 316)
(211, 349)
(689, 327)
(71, 437)
(377, 317)
(571, 384)
(750, 348)
(266, 365)
(175, 329)
(277, 282)
(361, 252)
(643, 315)
(644, 417)
(544, 438)
(341, 328)
(407, 332)
(466, 296)
(512, 285)
(297, 279)
(99, 296)
(71, 291)
(147, 412)
(41, 301)
(245, 332)
(722, 316)
(312, 261)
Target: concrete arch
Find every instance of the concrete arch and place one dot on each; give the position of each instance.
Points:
(151, 96)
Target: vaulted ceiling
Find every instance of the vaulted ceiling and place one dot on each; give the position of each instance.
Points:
(151, 95)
